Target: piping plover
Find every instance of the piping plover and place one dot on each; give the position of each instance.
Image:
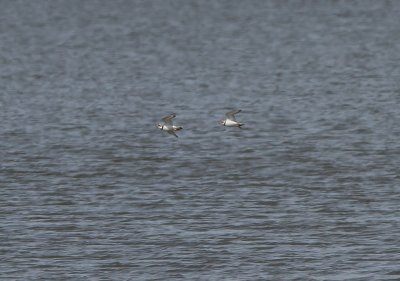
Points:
(230, 120)
(168, 126)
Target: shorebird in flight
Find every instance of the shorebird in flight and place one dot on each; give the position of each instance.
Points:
(230, 120)
(168, 126)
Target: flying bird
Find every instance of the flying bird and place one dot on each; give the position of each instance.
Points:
(230, 120)
(168, 126)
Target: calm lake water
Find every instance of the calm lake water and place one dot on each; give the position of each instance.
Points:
(90, 189)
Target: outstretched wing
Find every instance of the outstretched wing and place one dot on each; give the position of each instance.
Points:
(231, 114)
(172, 133)
(168, 119)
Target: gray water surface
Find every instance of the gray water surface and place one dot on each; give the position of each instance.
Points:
(90, 189)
